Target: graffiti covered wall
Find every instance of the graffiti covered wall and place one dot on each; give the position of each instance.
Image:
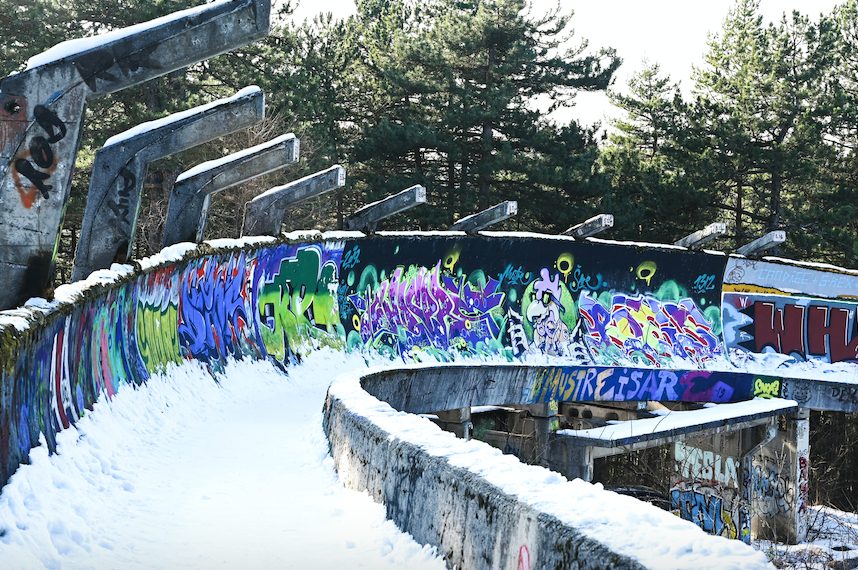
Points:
(632, 322)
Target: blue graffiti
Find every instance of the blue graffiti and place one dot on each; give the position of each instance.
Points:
(212, 316)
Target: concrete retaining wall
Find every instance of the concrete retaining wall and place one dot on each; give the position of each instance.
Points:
(484, 510)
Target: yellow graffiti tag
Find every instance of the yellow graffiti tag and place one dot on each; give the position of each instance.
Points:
(646, 271)
(157, 337)
(767, 388)
(564, 265)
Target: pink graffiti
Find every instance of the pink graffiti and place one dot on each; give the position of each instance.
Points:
(422, 307)
(523, 558)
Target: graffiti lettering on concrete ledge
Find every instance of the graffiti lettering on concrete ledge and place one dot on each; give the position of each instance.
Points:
(583, 383)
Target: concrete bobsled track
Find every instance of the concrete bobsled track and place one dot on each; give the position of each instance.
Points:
(599, 321)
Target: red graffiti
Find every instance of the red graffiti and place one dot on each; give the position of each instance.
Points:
(814, 330)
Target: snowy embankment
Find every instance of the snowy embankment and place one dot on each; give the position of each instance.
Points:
(187, 473)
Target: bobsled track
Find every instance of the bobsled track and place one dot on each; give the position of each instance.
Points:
(220, 457)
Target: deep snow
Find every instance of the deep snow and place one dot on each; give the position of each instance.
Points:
(186, 473)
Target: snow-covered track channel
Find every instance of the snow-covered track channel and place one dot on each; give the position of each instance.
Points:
(188, 473)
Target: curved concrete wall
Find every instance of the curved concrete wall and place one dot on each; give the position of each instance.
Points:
(606, 310)
(485, 510)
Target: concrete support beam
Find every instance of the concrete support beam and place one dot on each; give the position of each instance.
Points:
(41, 113)
(698, 239)
(115, 190)
(762, 244)
(189, 201)
(486, 218)
(368, 217)
(591, 227)
(264, 214)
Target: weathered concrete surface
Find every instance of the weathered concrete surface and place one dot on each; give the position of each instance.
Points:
(486, 218)
(822, 395)
(116, 187)
(41, 113)
(188, 208)
(473, 524)
(368, 217)
(264, 214)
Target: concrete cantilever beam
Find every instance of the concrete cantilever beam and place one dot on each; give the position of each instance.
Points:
(264, 214)
(189, 201)
(486, 218)
(367, 217)
(41, 113)
(113, 203)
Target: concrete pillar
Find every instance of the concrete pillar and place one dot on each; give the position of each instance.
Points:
(779, 483)
(115, 189)
(188, 209)
(457, 421)
(41, 113)
(572, 461)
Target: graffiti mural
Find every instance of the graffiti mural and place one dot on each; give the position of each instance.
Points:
(801, 313)
(447, 296)
(294, 299)
(644, 329)
(423, 309)
(599, 383)
(712, 508)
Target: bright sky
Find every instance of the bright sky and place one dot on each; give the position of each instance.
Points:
(672, 33)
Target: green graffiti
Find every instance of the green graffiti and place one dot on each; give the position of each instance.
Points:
(299, 306)
(157, 336)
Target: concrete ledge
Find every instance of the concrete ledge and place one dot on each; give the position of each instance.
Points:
(483, 509)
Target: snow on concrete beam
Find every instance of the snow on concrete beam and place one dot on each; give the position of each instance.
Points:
(698, 239)
(115, 189)
(366, 218)
(649, 432)
(42, 108)
(188, 207)
(591, 227)
(264, 214)
(486, 218)
(762, 244)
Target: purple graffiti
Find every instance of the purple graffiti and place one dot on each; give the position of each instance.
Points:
(212, 317)
(648, 327)
(422, 308)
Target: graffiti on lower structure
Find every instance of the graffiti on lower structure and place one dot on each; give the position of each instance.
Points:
(714, 509)
(771, 489)
(595, 383)
(696, 463)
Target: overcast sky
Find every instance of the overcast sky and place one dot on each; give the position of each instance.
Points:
(672, 33)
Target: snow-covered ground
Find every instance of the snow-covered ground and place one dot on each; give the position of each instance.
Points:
(186, 473)
(832, 542)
